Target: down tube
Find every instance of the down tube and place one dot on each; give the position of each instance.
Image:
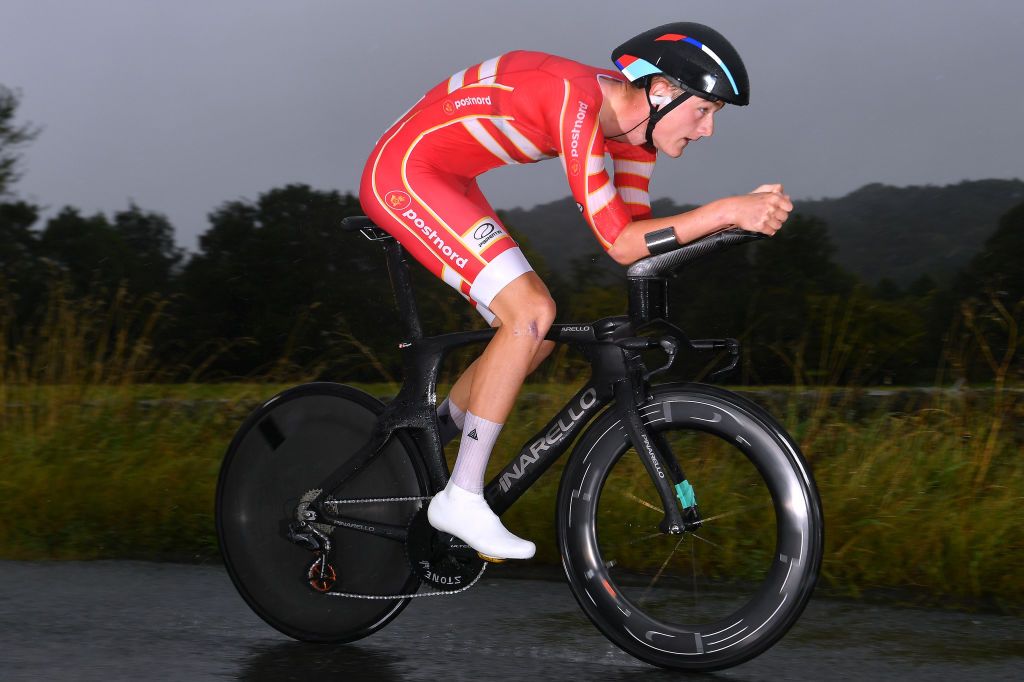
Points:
(543, 449)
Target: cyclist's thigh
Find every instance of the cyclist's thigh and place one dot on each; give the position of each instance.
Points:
(444, 222)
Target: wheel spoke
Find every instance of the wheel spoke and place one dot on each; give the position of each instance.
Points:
(657, 576)
(642, 502)
(693, 564)
(645, 538)
(713, 544)
(743, 510)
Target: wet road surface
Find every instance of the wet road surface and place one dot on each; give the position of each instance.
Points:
(148, 621)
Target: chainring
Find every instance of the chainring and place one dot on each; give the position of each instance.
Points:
(441, 560)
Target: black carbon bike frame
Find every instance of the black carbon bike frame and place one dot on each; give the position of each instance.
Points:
(618, 375)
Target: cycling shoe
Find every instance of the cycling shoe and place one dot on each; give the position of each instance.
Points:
(467, 516)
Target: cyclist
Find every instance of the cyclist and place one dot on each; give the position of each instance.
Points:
(419, 185)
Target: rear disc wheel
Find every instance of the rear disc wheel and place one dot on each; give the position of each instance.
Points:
(276, 462)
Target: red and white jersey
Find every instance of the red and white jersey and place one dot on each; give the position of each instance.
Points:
(524, 107)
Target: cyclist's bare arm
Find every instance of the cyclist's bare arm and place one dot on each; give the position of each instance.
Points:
(763, 210)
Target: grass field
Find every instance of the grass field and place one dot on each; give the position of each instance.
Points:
(924, 499)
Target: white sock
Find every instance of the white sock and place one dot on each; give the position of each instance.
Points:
(478, 438)
(457, 414)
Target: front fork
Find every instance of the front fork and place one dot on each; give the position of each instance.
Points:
(677, 497)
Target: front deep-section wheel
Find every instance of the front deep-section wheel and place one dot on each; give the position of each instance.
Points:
(716, 595)
(276, 463)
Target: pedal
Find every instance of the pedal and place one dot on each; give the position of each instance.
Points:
(491, 559)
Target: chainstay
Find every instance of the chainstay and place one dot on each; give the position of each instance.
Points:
(415, 595)
(390, 597)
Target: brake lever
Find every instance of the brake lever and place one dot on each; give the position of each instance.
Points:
(639, 343)
(671, 348)
(732, 346)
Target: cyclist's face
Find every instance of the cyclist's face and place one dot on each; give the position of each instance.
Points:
(690, 121)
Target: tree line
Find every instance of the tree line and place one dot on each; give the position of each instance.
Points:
(276, 289)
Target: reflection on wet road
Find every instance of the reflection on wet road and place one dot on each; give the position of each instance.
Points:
(146, 621)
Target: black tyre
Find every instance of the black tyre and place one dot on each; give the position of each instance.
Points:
(284, 450)
(704, 600)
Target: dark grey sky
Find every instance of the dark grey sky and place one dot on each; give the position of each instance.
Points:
(182, 105)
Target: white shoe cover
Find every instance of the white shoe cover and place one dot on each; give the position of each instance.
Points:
(467, 516)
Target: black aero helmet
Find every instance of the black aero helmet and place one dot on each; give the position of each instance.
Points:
(695, 55)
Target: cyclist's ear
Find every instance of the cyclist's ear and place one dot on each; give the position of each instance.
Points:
(662, 91)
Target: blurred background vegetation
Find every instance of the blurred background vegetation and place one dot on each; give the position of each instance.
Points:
(126, 363)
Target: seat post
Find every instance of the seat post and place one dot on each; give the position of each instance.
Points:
(401, 284)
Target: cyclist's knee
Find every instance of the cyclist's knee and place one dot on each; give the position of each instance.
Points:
(533, 317)
(525, 308)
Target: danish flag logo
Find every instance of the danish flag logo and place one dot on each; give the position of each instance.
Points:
(397, 200)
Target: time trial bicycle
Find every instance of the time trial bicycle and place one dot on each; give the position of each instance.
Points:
(688, 522)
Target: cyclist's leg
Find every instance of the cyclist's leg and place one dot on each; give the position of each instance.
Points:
(470, 250)
(461, 390)
(526, 312)
(451, 413)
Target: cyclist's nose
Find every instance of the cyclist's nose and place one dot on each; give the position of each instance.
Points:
(707, 126)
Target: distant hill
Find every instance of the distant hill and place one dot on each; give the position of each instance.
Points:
(904, 232)
(879, 230)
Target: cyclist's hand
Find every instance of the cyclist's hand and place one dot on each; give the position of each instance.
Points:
(764, 210)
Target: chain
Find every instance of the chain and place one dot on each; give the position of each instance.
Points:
(387, 597)
(436, 593)
(370, 500)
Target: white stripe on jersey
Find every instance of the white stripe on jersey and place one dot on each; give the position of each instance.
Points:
(641, 168)
(632, 195)
(452, 278)
(488, 69)
(595, 164)
(455, 82)
(518, 139)
(600, 198)
(484, 138)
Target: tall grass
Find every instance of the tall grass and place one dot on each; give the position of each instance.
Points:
(95, 460)
(929, 500)
(99, 459)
